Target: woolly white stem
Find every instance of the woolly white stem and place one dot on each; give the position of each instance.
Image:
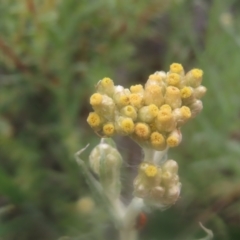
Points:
(160, 156)
(128, 230)
(148, 154)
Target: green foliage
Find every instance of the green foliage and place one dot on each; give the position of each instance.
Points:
(52, 53)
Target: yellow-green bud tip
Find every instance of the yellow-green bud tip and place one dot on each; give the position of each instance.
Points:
(197, 73)
(153, 110)
(107, 82)
(151, 171)
(94, 119)
(173, 79)
(155, 77)
(164, 115)
(154, 90)
(135, 100)
(186, 92)
(96, 99)
(136, 88)
(108, 129)
(142, 130)
(166, 107)
(186, 112)
(157, 139)
(123, 100)
(127, 125)
(176, 68)
(173, 141)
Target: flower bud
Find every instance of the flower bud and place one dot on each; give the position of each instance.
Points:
(136, 88)
(96, 100)
(158, 193)
(106, 161)
(182, 115)
(199, 92)
(187, 95)
(106, 108)
(129, 111)
(171, 166)
(172, 194)
(94, 121)
(194, 78)
(108, 129)
(196, 108)
(173, 79)
(153, 95)
(155, 79)
(176, 68)
(173, 97)
(148, 113)
(174, 138)
(142, 131)
(140, 190)
(165, 121)
(124, 125)
(162, 74)
(121, 98)
(136, 100)
(106, 86)
(157, 141)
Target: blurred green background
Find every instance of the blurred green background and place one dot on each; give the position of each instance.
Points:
(53, 52)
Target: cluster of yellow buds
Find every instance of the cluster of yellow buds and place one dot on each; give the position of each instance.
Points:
(158, 185)
(152, 114)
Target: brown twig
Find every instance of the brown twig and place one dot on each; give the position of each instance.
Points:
(15, 59)
(20, 65)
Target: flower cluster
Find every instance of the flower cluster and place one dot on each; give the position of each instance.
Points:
(152, 114)
(158, 185)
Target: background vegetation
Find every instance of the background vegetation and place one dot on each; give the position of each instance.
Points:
(52, 53)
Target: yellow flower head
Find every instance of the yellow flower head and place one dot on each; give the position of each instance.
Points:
(197, 73)
(166, 107)
(123, 100)
(108, 129)
(142, 130)
(96, 99)
(107, 82)
(176, 68)
(157, 140)
(155, 77)
(186, 92)
(164, 115)
(174, 138)
(173, 79)
(186, 112)
(126, 125)
(129, 111)
(136, 100)
(173, 97)
(94, 120)
(151, 171)
(153, 95)
(136, 88)
(153, 110)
